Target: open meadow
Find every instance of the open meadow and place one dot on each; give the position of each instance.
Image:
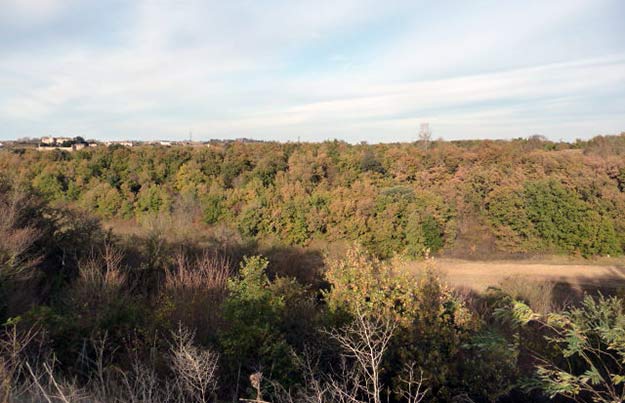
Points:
(578, 276)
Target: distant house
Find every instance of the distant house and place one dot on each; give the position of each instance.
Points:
(165, 143)
(62, 143)
(53, 141)
(73, 147)
(120, 143)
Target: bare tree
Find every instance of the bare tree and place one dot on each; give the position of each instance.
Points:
(347, 384)
(357, 377)
(27, 370)
(411, 389)
(21, 228)
(425, 135)
(344, 385)
(47, 388)
(13, 346)
(195, 368)
(142, 385)
(366, 339)
(101, 282)
(317, 390)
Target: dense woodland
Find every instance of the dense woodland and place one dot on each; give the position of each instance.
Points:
(481, 197)
(210, 274)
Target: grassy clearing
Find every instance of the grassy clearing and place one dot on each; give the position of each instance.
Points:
(579, 275)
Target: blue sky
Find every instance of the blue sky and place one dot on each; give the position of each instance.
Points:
(282, 70)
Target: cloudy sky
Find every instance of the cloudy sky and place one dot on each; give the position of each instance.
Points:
(282, 70)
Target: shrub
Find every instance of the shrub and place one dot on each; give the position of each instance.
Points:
(436, 338)
(590, 340)
(193, 289)
(252, 338)
(432, 327)
(361, 283)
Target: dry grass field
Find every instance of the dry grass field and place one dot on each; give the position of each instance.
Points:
(577, 275)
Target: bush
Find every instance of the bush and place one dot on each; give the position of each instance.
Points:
(590, 341)
(252, 338)
(192, 285)
(361, 283)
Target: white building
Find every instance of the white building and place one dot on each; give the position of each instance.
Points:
(120, 143)
(51, 141)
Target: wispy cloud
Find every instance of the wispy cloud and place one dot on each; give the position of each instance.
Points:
(357, 70)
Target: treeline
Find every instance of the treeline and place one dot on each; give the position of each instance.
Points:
(472, 197)
(90, 317)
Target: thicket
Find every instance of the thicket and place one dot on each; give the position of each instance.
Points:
(90, 316)
(479, 198)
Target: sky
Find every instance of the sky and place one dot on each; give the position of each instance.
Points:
(354, 70)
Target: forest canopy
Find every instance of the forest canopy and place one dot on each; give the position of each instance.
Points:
(481, 198)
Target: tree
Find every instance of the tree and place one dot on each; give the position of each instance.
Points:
(212, 205)
(506, 210)
(366, 340)
(369, 163)
(195, 368)
(153, 199)
(51, 184)
(565, 221)
(425, 135)
(253, 312)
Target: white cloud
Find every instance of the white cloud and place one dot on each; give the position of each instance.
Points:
(33, 11)
(250, 68)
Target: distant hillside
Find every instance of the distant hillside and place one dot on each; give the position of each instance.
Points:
(461, 198)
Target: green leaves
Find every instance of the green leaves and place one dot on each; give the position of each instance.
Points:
(518, 314)
(591, 344)
(591, 376)
(253, 311)
(565, 221)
